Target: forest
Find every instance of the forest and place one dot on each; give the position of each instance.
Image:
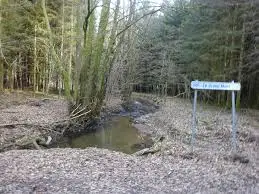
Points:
(89, 50)
(96, 96)
(201, 40)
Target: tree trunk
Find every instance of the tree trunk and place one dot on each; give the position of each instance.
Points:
(55, 57)
(240, 64)
(94, 76)
(1, 70)
(11, 76)
(1, 76)
(87, 69)
(35, 83)
(71, 48)
(128, 81)
(110, 54)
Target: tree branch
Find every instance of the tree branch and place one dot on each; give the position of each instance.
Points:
(129, 25)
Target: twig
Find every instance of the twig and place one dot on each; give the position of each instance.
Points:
(80, 115)
(47, 127)
(179, 94)
(17, 124)
(72, 115)
(75, 109)
(138, 19)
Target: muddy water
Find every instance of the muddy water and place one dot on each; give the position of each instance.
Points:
(117, 134)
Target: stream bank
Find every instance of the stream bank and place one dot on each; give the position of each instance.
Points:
(114, 129)
(29, 122)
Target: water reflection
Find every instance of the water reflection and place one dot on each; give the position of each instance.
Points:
(117, 134)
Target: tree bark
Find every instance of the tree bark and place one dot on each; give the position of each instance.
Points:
(71, 48)
(35, 83)
(55, 57)
(1, 70)
(240, 64)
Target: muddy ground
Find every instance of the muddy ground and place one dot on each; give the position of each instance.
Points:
(212, 168)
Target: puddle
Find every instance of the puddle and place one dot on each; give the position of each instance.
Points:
(117, 134)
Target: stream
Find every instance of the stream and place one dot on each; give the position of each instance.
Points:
(117, 134)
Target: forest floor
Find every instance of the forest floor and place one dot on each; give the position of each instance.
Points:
(210, 169)
(24, 116)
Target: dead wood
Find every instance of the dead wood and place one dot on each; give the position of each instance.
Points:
(6, 146)
(16, 124)
(146, 151)
(152, 150)
(36, 145)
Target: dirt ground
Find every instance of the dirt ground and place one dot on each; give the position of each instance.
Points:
(212, 168)
(102, 171)
(24, 115)
(214, 128)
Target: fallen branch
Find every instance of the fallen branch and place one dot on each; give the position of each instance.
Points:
(2, 148)
(26, 141)
(152, 150)
(48, 127)
(17, 124)
(179, 95)
(72, 115)
(36, 145)
(48, 140)
(43, 142)
(146, 151)
(75, 109)
(37, 125)
(80, 115)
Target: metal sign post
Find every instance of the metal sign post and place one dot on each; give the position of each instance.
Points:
(194, 118)
(203, 85)
(234, 130)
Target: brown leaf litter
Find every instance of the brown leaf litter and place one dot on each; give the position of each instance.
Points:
(23, 115)
(210, 169)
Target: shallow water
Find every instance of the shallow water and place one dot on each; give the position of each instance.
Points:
(117, 134)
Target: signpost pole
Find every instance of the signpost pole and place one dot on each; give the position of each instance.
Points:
(205, 85)
(233, 121)
(194, 119)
